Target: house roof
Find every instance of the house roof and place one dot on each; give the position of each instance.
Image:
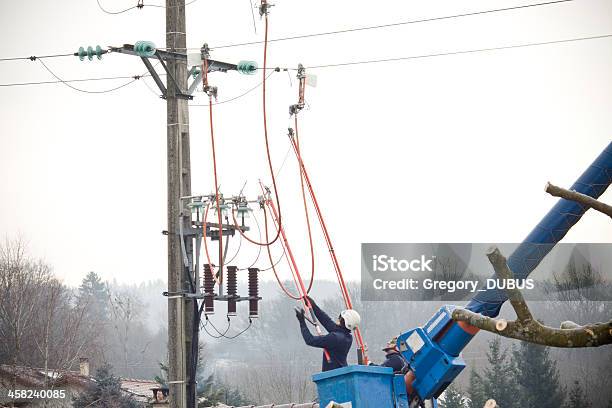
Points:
(35, 378)
(141, 389)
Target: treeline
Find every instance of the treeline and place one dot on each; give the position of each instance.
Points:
(271, 364)
(121, 329)
(524, 375)
(46, 324)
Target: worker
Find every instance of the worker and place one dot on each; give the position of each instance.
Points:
(393, 358)
(339, 338)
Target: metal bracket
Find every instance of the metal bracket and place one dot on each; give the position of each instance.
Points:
(264, 8)
(162, 56)
(178, 92)
(196, 80)
(155, 76)
(196, 230)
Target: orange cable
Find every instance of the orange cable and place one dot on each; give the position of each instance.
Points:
(312, 257)
(214, 157)
(335, 262)
(206, 245)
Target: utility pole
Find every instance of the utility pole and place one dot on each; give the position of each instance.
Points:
(180, 309)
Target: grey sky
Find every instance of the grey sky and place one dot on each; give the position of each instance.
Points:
(456, 148)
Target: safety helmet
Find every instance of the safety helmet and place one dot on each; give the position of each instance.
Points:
(391, 345)
(351, 318)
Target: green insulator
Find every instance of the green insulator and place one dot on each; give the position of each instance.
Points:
(99, 52)
(144, 48)
(90, 53)
(195, 206)
(195, 73)
(247, 67)
(82, 53)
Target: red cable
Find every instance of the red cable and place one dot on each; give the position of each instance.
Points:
(312, 257)
(330, 247)
(284, 289)
(297, 278)
(335, 262)
(206, 245)
(265, 124)
(291, 260)
(212, 141)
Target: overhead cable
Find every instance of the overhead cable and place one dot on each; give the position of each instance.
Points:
(389, 25)
(441, 54)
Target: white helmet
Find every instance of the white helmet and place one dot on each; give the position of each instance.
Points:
(351, 318)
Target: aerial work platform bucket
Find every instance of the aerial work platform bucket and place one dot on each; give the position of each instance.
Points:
(356, 386)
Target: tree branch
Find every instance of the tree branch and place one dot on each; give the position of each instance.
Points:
(525, 328)
(579, 198)
(514, 295)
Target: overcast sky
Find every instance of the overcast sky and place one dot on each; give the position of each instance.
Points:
(445, 149)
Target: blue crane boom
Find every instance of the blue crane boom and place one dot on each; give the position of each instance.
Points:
(434, 350)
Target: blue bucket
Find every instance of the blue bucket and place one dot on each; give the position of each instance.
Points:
(361, 386)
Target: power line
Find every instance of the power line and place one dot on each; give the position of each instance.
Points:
(341, 64)
(139, 5)
(34, 57)
(401, 23)
(326, 33)
(114, 12)
(70, 80)
(235, 97)
(441, 54)
(135, 78)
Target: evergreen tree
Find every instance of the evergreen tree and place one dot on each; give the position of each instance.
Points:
(94, 294)
(578, 398)
(537, 376)
(499, 379)
(212, 392)
(233, 397)
(105, 392)
(475, 391)
(452, 398)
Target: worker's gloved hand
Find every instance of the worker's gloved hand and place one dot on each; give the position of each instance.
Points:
(311, 301)
(300, 314)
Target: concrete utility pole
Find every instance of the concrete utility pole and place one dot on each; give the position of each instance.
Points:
(180, 309)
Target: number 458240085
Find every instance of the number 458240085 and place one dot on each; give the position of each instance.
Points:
(37, 394)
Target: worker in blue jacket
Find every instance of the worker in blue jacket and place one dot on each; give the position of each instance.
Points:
(393, 358)
(339, 338)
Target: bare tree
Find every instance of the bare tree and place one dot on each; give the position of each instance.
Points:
(39, 324)
(126, 322)
(22, 283)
